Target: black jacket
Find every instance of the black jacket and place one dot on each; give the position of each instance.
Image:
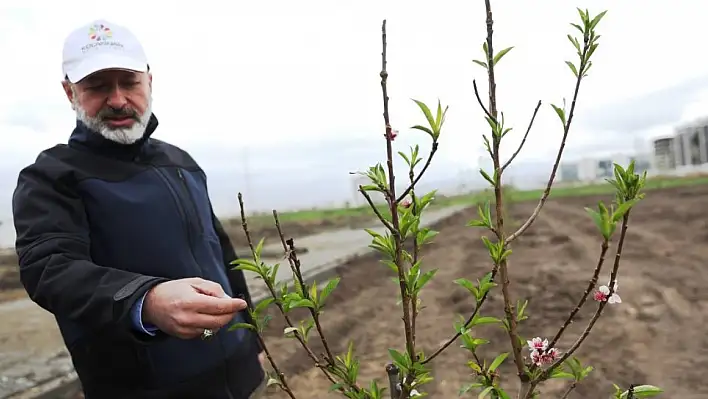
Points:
(98, 224)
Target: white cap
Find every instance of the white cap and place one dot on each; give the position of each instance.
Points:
(101, 45)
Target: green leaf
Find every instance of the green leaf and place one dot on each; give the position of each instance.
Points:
(331, 285)
(500, 55)
(262, 305)
(572, 68)
(596, 217)
(578, 27)
(502, 394)
(485, 393)
(481, 63)
(259, 247)
(623, 209)
(597, 19)
(246, 326)
(478, 321)
(486, 176)
(643, 391)
(425, 278)
(560, 113)
(398, 358)
(468, 285)
(302, 303)
(575, 43)
(405, 157)
(423, 128)
(497, 361)
(426, 112)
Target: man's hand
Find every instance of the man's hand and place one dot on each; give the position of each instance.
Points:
(184, 308)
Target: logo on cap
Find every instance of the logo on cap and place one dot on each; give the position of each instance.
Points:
(100, 32)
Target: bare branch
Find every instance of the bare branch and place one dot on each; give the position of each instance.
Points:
(376, 210)
(433, 150)
(569, 390)
(523, 141)
(588, 290)
(552, 177)
(467, 322)
(281, 377)
(393, 206)
(595, 317)
(481, 104)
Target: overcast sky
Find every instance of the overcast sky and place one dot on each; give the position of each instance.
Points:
(294, 84)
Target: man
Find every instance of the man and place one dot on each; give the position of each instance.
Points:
(117, 238)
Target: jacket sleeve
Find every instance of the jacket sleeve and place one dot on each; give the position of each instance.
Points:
(53, 247)
(237, 280)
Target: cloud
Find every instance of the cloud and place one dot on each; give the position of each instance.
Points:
(667, 105)
(296, 83)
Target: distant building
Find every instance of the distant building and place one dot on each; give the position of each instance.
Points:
(685, 151)
(664, 154)
(598, 168)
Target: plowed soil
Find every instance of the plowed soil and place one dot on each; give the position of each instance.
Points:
(656, 336)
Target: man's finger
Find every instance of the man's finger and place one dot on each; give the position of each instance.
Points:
(200, 321)
(218, 306)
(208, 287)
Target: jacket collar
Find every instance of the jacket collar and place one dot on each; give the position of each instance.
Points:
(84, 137)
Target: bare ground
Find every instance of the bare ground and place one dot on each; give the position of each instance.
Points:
(655, 336)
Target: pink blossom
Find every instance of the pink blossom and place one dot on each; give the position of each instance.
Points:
(391, 133)
(603, 294)
(406, 203)
(538, 344)
(540, 353)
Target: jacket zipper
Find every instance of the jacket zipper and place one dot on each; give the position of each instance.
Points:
(193, 204)
(182, 211)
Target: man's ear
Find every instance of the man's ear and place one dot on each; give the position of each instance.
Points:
(150, 80)
(68, 91)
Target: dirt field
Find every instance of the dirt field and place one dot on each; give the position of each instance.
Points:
(655, 336)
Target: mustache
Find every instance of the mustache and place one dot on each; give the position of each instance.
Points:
(115, 113)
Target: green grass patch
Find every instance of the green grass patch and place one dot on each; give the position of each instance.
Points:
(315, 214)
(606, 188)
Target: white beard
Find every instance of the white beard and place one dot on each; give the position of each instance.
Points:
(126, 135)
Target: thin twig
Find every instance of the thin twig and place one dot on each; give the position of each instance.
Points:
(393, 206)
(499, 210)
(523, 141)
(415, 181)
(288, 321)
(281, 376)
(292, 257)
(292, 254)
(414, 295)
(595, 317)
(481, 104)
(552, 177)
(468, 321)
(588, 290)
(569, 390)
(376, 210)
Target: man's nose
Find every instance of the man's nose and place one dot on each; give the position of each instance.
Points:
(116, 98)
